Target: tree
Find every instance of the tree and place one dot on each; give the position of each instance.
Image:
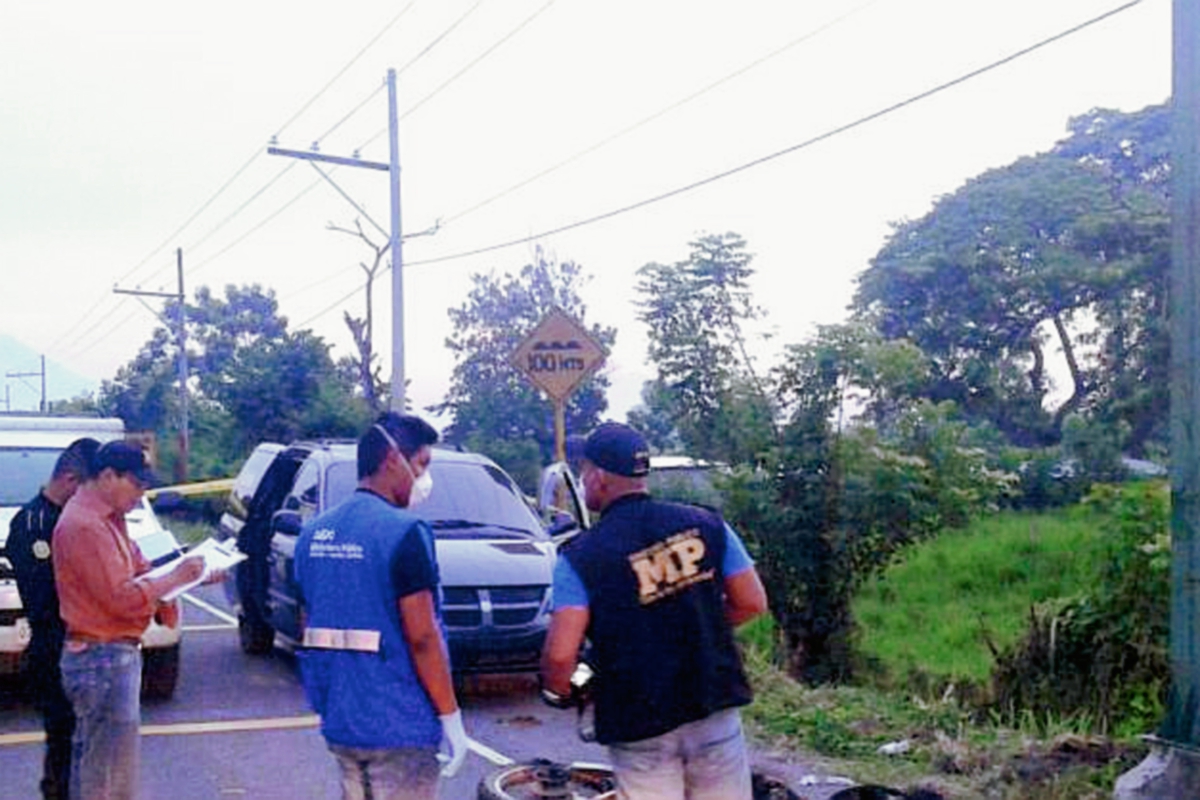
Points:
(493, 406)
(251, 380)
(695, 309)
(1025, 259)
(362, 329)
(655, 418)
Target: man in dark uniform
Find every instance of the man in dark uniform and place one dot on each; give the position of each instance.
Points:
(657, 589)
(29, 548)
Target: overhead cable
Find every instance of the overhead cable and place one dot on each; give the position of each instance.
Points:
(787, 150)
(258, 151)
(344, 69)
(661, 112)
(496, 45)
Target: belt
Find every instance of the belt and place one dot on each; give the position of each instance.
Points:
(362, 641)
(78, 644)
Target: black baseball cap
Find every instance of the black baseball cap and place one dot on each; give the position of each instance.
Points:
(124, 458)
(618, 449)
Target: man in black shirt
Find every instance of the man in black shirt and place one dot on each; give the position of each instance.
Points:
(28, 546)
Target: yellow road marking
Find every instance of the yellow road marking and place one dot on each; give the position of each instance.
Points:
(189, 728)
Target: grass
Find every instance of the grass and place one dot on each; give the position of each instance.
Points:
(839, 729)
(938, 612)
(925, 627)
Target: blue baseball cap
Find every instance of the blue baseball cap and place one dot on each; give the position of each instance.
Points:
(618, 449)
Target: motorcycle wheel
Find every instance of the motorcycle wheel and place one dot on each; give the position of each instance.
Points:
(524, 782)
(591, 782)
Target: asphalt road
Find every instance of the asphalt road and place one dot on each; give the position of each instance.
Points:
(238, 727)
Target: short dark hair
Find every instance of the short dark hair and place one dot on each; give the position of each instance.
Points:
(409, 432)
(76, 459)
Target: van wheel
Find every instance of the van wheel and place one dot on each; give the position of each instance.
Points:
(257, 638)
(160, 672)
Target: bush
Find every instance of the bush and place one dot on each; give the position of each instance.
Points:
(823, 513)
(1104, 654)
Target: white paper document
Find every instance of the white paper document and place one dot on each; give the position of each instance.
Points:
(217, 557)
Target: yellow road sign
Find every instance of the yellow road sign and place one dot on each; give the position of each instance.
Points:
(559, 354)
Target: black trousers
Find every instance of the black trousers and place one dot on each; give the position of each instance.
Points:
(58, 718)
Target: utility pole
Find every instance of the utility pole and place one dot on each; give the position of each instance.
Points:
(397, 393)
(1183, 722)
(394, 237)
(180, 326)
(42, 374)
(1172, 770)
(185, 437)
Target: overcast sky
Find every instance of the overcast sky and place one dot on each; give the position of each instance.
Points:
(120, 121)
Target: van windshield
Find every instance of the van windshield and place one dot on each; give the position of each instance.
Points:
(476, 493)
(23, 472)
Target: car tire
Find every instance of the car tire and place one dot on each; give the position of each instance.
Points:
(160, 672)
(257, 638)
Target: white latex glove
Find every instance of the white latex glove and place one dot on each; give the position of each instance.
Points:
(457, 743)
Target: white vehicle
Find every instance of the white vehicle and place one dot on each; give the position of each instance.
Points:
(29, 447)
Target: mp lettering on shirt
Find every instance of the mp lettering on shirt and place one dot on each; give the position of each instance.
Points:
(324, 544)
(670, 566)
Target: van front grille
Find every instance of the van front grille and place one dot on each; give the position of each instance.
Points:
(499, 607)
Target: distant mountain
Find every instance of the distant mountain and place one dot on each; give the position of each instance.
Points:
(24, 394)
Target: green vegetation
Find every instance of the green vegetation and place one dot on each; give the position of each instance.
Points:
(841, 728)
(1020, 657)
(946, 605)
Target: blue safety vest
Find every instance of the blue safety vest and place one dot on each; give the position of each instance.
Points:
(358, 674)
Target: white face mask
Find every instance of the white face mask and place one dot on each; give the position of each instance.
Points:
(422, 487)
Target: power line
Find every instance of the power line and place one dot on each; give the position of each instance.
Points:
(343, 70)
(242, 207)
(262, 223)
(411, 61)
(86, 343)
(308, 188)
(495, 46)
(350, 114)
(204, 206)
(787, 150)
(258, 151)
(661, 112)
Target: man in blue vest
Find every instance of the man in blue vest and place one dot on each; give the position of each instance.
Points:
(657, 588)
(374, 663)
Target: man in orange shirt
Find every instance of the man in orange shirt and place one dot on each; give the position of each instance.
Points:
(107, 604)
(29, 546)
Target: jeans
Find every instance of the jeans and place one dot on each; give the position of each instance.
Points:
(103, 682)
(387, 774)
(702, 760)
(45, 682)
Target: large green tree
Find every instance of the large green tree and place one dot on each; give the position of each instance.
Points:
(707, 385)
(493, 407)
(1059, 253)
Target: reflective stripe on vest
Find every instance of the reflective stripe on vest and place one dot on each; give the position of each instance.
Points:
(362, 641)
